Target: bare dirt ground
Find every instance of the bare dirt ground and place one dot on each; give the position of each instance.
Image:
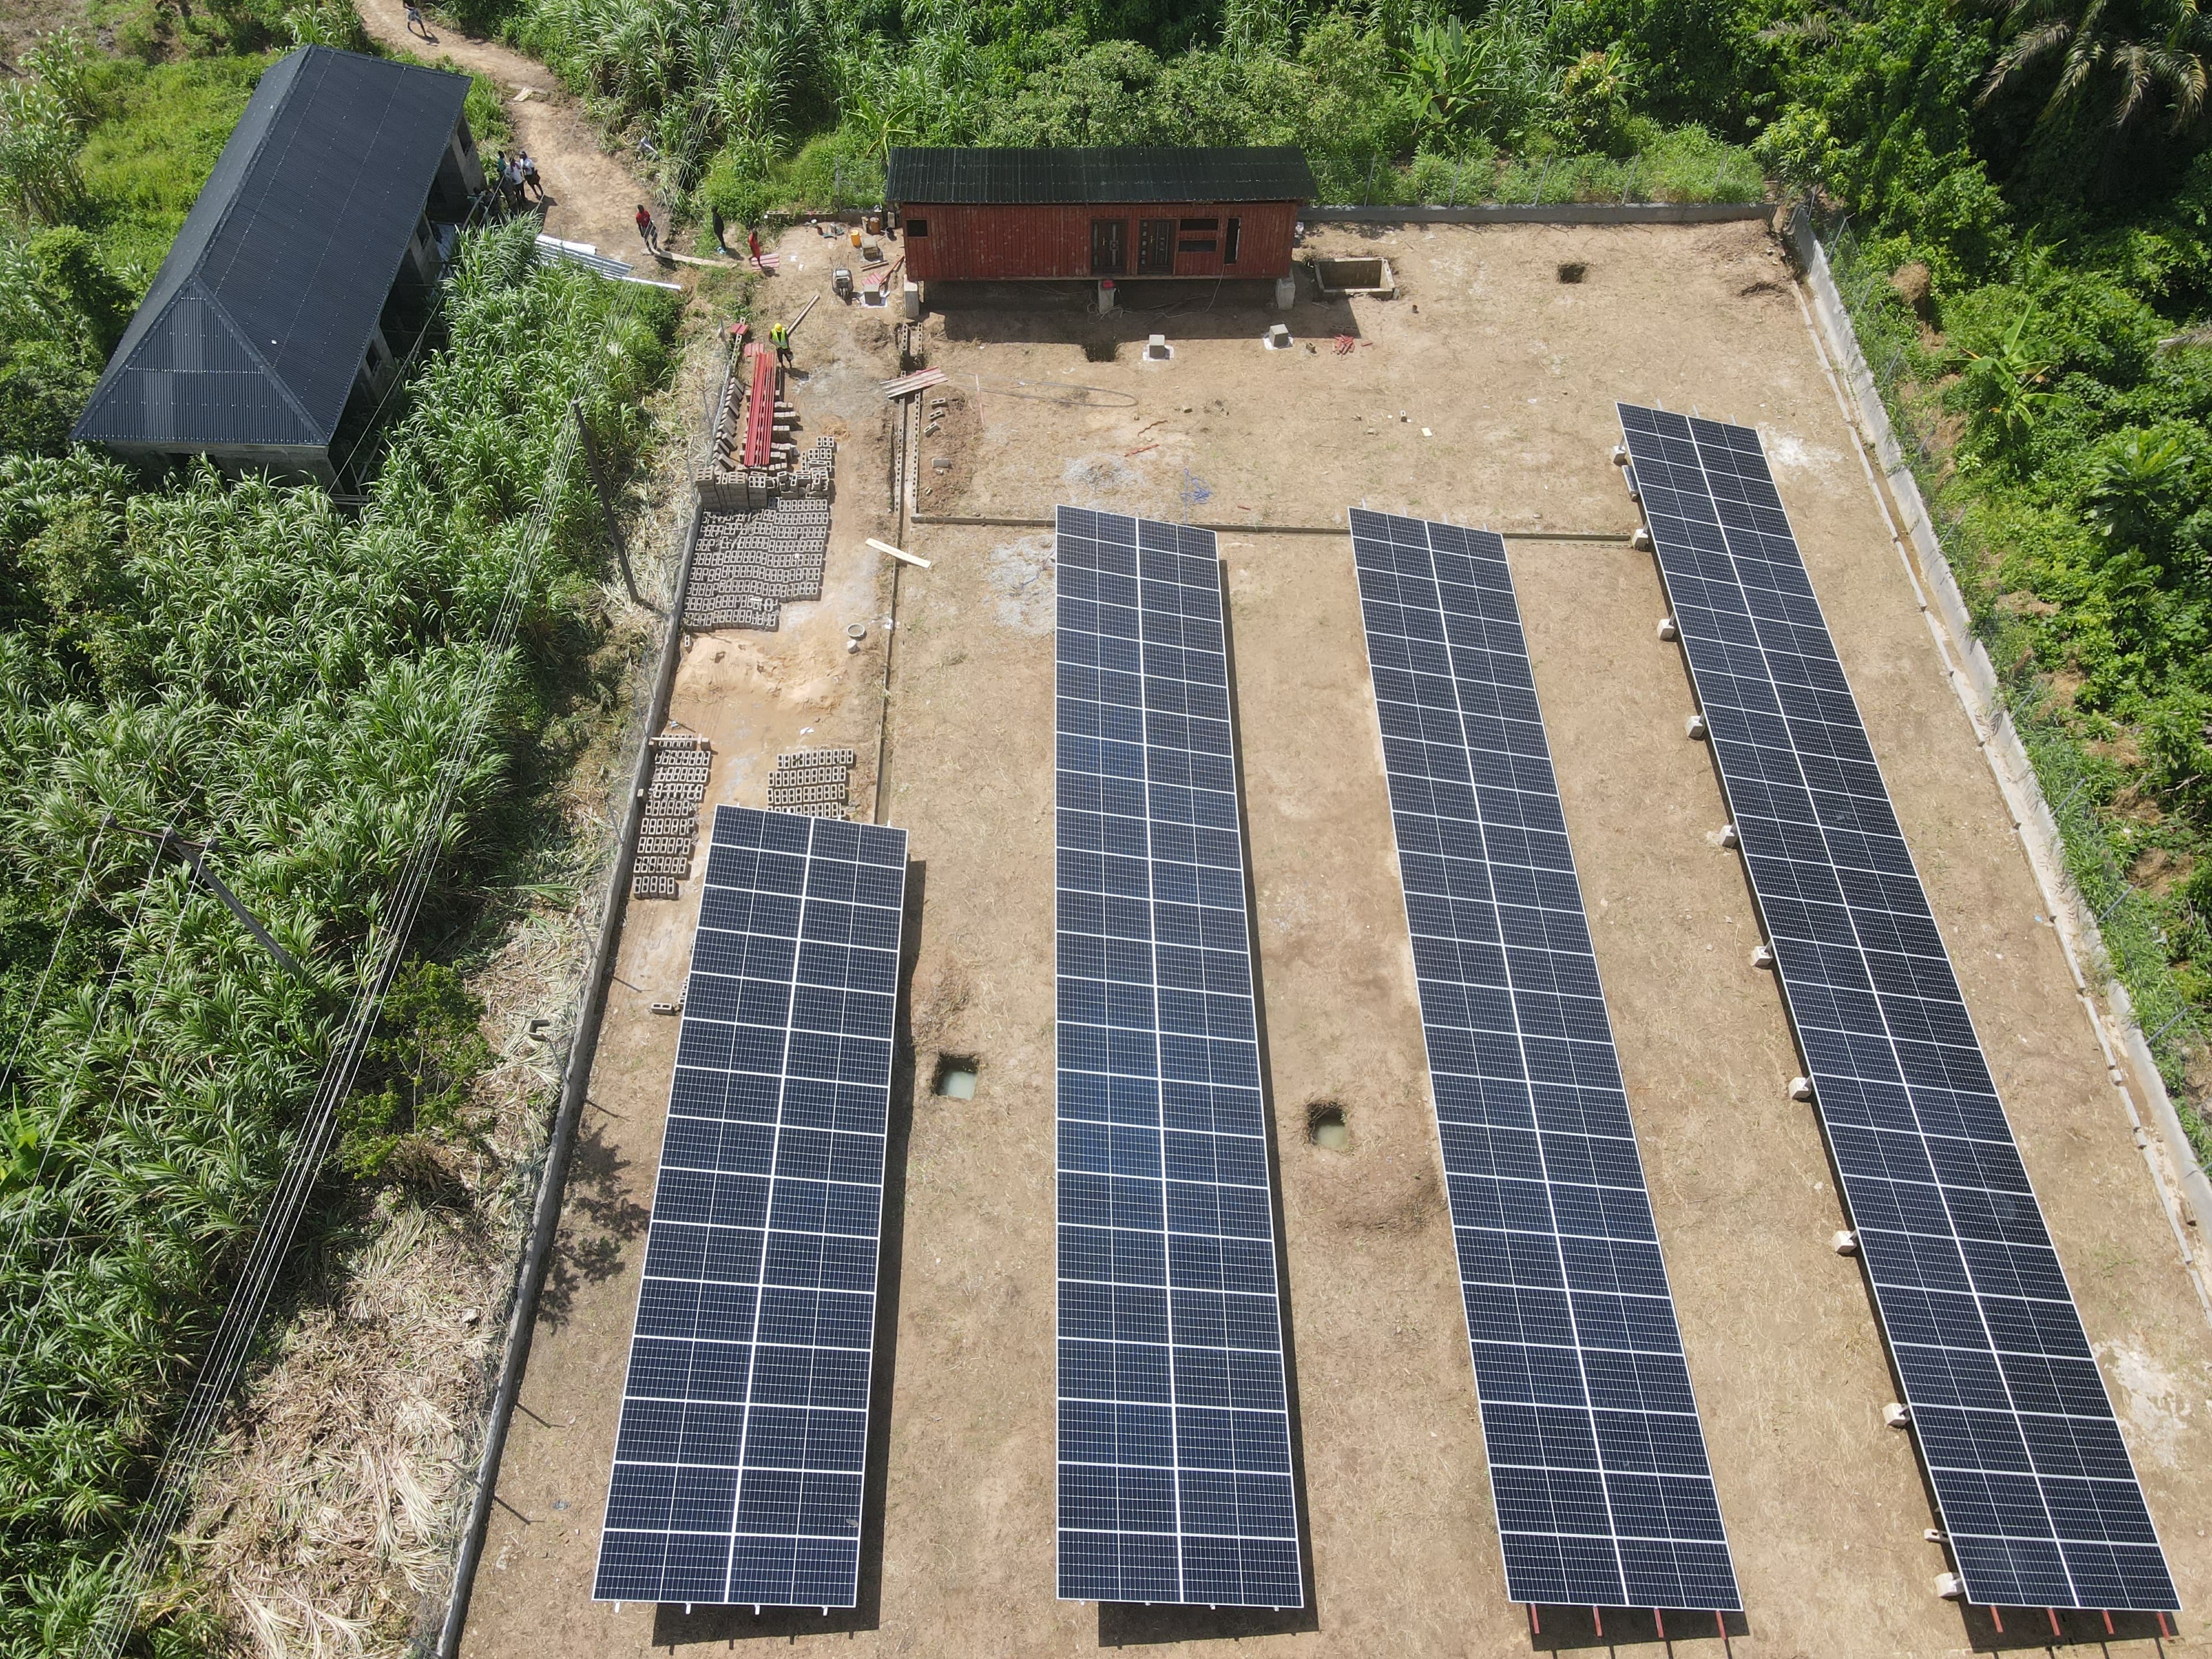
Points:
(591, 195)
(1512, 374)
(21, 21)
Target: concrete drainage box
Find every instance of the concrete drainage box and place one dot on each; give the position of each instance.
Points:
(1371, 275)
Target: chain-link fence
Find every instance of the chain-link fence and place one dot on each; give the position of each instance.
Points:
(2133, 921)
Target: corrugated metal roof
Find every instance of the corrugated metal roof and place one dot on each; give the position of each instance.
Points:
(1012, 176)
(257, 322)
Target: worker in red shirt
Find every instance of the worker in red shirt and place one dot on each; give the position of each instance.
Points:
(752, 242)
(648, 229)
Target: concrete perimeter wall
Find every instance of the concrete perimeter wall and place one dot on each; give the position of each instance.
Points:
(1563, 213)
(1975, 680)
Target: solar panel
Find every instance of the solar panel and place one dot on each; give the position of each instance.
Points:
(1598, 1462)
(2035, 1487)
(1175, 1446)
(745, 1417)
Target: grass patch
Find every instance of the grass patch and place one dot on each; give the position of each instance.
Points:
(161, 129)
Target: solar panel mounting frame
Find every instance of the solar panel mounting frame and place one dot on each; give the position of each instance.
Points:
(1705, 530)
(1526, 1085)
(1173, 1402)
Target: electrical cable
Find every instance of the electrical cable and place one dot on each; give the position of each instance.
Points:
(202, 1413)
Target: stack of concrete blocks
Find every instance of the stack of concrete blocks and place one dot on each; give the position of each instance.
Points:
(676, 785)
(752, 560)
(811, 782)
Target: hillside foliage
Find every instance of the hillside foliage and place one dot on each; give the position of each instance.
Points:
(251, 664)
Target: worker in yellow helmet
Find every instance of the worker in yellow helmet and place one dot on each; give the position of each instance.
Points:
(779, 338)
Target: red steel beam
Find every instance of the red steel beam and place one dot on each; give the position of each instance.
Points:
(760, 410)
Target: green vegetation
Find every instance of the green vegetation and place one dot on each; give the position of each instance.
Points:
(244, 662)
(2027, 266)
(1391, 102)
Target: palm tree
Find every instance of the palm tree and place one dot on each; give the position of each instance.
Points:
(2127, 58)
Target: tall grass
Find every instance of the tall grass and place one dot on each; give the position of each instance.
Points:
(244, 662)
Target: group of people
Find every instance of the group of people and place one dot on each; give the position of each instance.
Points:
(519, 174)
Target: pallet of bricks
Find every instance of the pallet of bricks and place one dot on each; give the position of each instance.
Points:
(812, 782)
(763, 530)
(675, 788)
(749, 565)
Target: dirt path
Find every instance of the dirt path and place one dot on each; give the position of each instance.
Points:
(591, 196)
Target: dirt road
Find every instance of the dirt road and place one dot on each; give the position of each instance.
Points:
(591, 196)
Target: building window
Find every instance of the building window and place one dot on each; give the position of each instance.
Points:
(1236, 235)
(1196, 244)
(1201, 224)
(917, 230)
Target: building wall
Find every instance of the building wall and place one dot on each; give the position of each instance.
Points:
(979, 243)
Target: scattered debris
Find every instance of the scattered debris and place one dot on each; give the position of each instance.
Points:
(1573, 271)
(1279, 337)
(1138, 450)
(1344, 344)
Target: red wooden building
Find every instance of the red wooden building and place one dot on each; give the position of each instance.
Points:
(1014, 214)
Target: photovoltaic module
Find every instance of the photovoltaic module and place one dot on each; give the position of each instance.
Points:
(742, 1442)
(1174, 1448)
(1597, 1460)
(2038, 1496)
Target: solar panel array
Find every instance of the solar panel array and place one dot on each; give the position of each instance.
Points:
(1598, 1462)
(744, 1418)
(1175, 1448)
(2035, 1485)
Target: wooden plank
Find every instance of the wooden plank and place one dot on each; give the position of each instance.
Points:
(898, 553)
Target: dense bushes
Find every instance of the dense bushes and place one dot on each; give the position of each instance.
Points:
(249, 663)
(798, 108)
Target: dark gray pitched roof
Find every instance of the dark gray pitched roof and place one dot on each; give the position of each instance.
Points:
(1005, 176)
(253, 329)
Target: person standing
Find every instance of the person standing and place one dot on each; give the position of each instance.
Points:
(779, 338)
(752, 245)
(415, 24)
(528, 168)
(715, 216)
(649, 231)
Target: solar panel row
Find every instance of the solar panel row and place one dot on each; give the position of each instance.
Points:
(1598, 1462)
(1175, 1451)
(743, 1441)
(2037, 1492)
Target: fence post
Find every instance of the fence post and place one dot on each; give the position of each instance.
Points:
(836, 187)
(1368, 199)
(1458, 168)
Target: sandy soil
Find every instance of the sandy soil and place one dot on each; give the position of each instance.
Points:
(1512, 375)
(590, 196)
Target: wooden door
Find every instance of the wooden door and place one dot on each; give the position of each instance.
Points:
(1156, 248)
(1109, 247)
